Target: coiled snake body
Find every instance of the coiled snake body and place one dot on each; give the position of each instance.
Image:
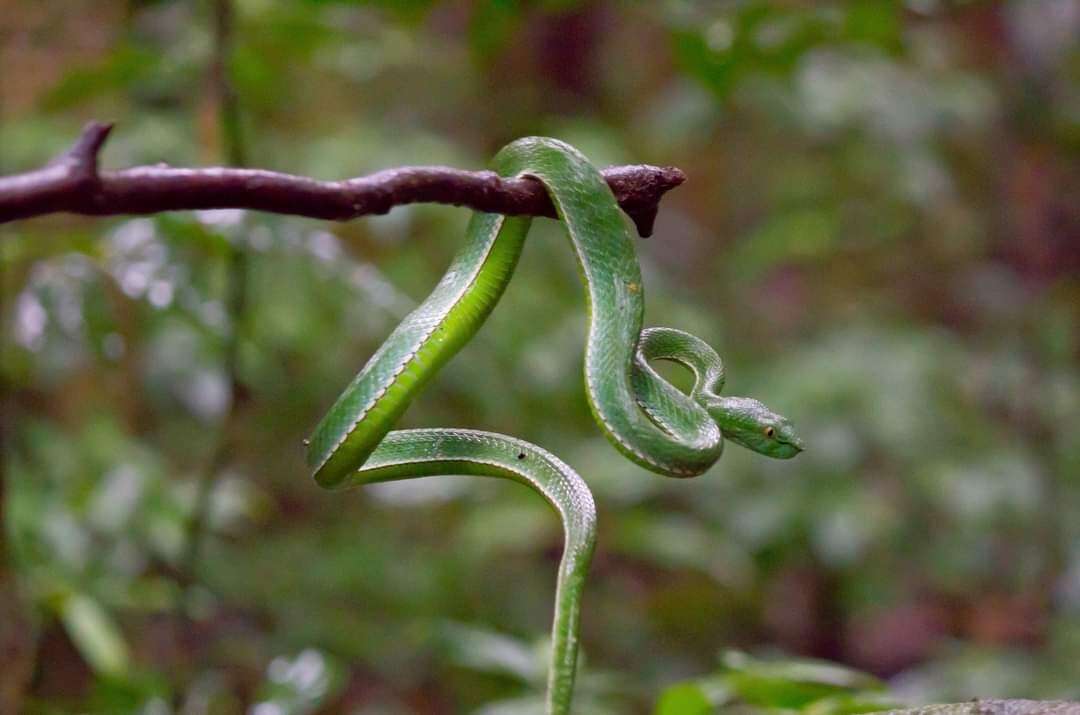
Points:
(646, 418)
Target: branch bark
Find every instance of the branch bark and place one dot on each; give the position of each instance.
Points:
(996, 707)
(72, 183)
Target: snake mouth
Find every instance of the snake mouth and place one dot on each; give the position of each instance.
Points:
(795, 443)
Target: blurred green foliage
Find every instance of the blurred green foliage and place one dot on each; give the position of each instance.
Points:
(879, 234)
(767, 685)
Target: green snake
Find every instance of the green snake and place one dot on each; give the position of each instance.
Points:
(645, 417)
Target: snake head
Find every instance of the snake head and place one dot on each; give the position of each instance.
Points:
(748, 422)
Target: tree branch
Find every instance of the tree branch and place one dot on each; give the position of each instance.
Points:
(996, 707)
(71, 183)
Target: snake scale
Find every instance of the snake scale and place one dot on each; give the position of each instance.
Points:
(645, 417)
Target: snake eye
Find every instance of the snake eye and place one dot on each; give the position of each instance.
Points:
(769, 432)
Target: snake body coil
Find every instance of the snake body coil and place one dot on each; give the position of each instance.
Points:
(646, 418)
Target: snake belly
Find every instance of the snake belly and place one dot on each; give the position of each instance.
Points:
(645, 417)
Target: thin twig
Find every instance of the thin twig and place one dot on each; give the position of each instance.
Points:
(236, 265)
(18, 630)
(72, 184)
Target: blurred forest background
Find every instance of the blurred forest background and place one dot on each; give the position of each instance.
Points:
(880, 234)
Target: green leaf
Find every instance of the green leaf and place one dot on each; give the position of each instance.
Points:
(95, 634)
(791, 683)
(683, 699)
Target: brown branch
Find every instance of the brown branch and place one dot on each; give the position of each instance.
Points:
(72, 184)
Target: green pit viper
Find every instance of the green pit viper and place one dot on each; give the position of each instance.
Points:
(645, 417)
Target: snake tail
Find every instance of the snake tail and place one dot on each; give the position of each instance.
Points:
(405, 454)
